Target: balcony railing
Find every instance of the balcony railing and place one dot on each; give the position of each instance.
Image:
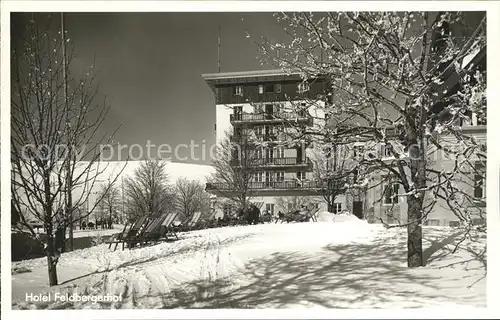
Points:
(240, 138)
(258, 117)
(266, 185)
(286, 161)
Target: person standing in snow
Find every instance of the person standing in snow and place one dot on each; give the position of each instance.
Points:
(253, 214)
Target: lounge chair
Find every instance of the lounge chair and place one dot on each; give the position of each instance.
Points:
(128, 234)
(152, 232)
(166, 229)
(195, 221)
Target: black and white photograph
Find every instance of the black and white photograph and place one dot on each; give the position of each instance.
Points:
(247, 159)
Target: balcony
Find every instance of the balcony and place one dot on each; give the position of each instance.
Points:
(257, 138)
(276, 188)
(292, 162)
(258, 118)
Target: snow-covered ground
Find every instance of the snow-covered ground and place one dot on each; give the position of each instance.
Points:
(345, 263)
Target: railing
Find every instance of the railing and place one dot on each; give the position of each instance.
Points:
(257, 137)
(277, 185)
(285, 161)
(267, 116)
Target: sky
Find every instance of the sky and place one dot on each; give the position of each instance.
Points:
(150, 67)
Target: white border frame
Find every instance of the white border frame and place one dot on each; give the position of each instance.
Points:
(493, 191)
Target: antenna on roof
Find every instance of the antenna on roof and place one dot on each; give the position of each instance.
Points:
(218, 49)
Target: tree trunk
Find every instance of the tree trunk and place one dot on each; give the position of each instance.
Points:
(330, 207)
(414, 232)
(51, 259)
(70, 236)
(69, 217)
(244, 202)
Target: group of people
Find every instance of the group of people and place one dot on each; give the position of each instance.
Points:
(253, 215)
(99, 223)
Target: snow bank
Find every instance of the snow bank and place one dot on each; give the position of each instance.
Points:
(348, 217)
(324, 216)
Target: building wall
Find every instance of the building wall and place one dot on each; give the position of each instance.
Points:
(441, 214)
(222, 124)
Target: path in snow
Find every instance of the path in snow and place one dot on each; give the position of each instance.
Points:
(347, 264)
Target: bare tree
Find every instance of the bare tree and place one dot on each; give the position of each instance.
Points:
(405, 80)
(335, 171)
(147, 192)
(190, 197)
(110, 201)
(40, 114)
(235, 164)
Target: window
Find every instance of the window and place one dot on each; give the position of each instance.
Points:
(269, 88)
(270, 130)
(387, 150)
(269, 111)
(259, 130)
(280, 176)
(270, 208)
(259, 153)
(279, 152)
(238, 110)
(480, 180)
(258, 177)
(261, 89)
(303, 87)
(391, 192)
(269, 177)
(278, 88)
(269, 154)
(301, 175)
(238, 91)
(337, 207)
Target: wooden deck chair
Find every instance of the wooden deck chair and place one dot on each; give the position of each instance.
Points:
(195, 220)
(130, 233)
(141, 234)
(311, 213)
(153, 232)
(167, 228)
(125, 230)
(259, 204)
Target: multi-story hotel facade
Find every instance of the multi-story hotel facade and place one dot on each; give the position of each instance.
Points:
(261, 105)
